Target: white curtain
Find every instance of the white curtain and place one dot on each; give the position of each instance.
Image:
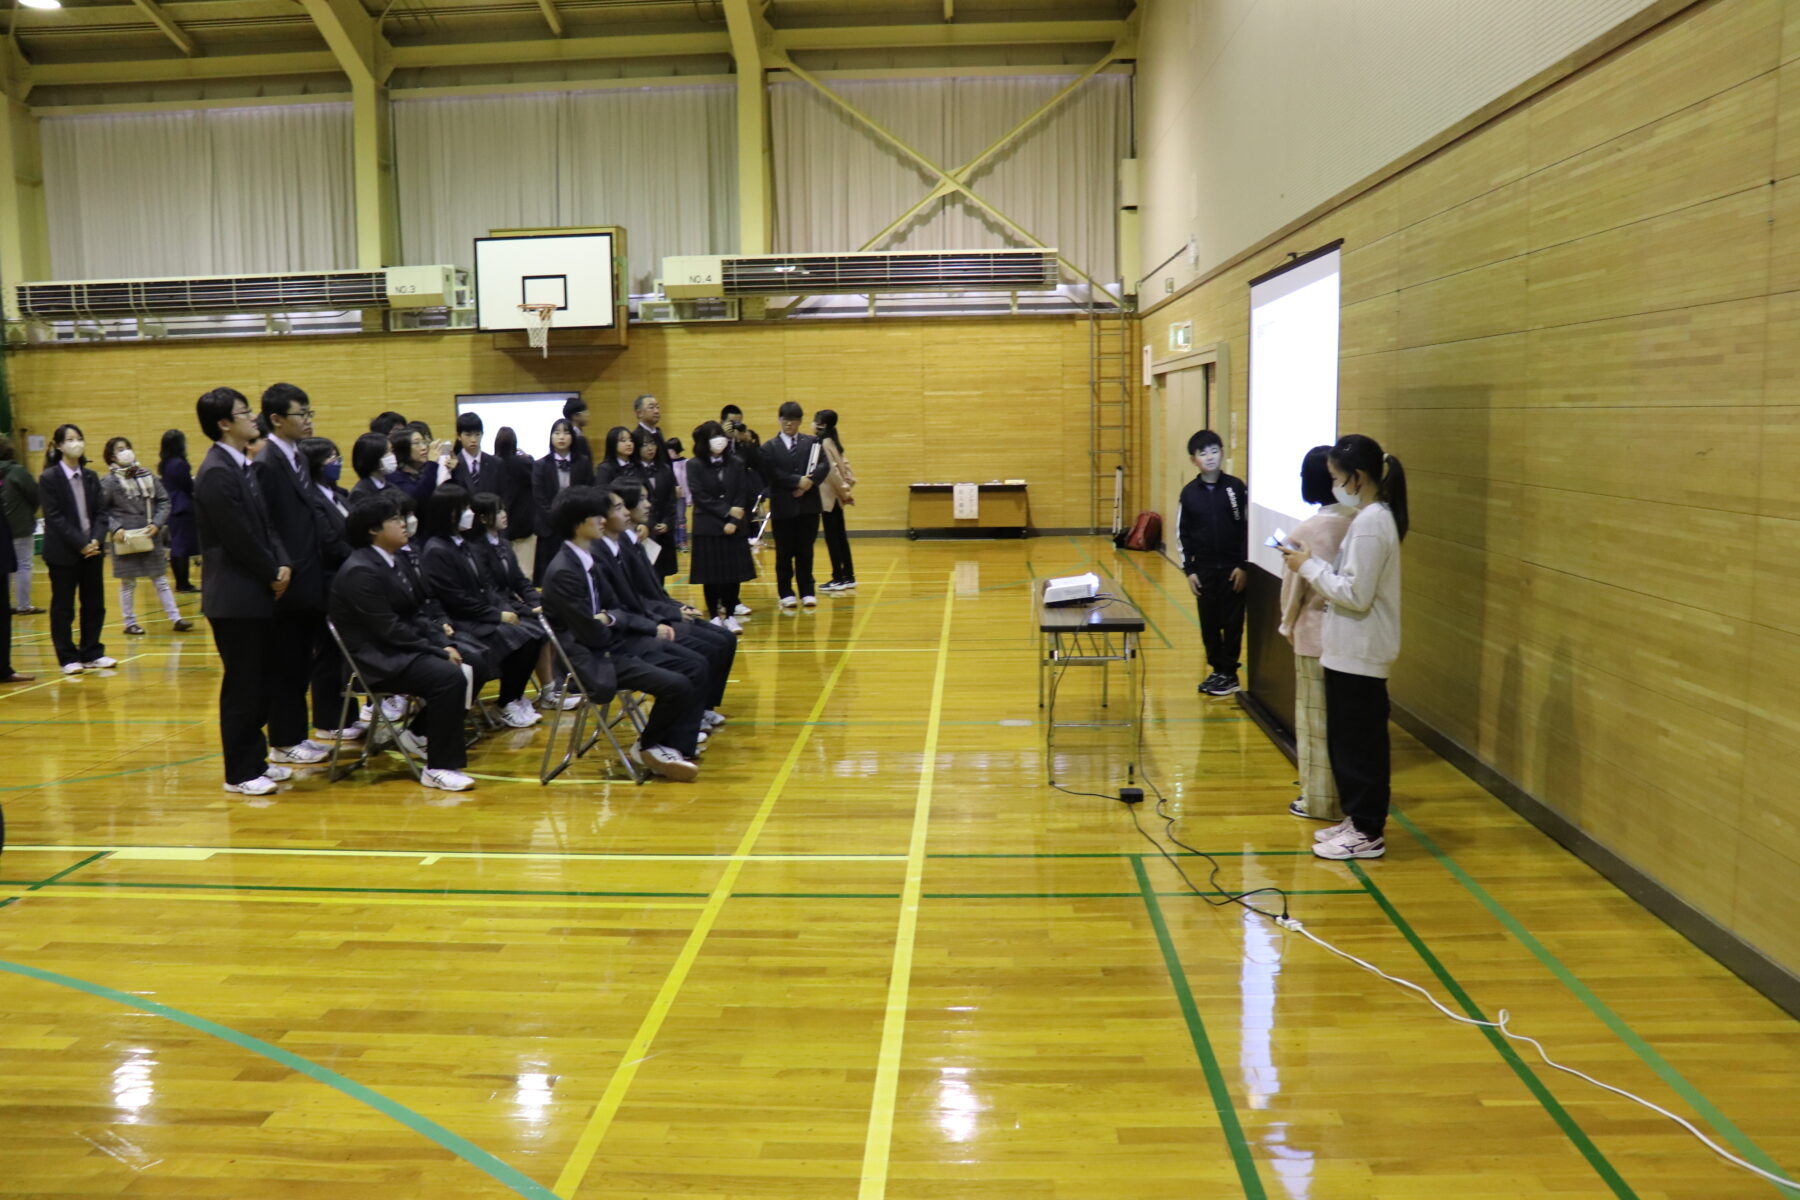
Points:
(837, 184)
(200, 192)
(661, 162)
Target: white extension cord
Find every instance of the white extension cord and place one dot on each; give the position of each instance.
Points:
(1293, 924)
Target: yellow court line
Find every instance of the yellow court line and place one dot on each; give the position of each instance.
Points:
(588, 1144)
(426, 858)
(413, 901)
(879, 1142)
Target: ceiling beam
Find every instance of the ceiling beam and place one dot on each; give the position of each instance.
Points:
(361, 51)
(551, 17)
(656, 45)
(164, 22)
(751, 38)
(305, 62)
(982, 33)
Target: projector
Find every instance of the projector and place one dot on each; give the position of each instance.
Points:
(1071, 589)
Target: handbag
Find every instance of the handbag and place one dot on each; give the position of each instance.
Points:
(140, 540)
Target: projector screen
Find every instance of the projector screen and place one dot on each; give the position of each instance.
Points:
(1293, 390)
(529, 413)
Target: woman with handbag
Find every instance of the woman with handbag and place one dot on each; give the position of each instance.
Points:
(834, 494)
(135, 521)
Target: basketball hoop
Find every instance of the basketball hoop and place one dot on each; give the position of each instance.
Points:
(537, 325)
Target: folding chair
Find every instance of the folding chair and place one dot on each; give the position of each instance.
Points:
(380, 725)
(579, 742)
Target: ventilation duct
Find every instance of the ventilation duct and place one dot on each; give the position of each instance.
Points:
(718, 278)
(394, 287)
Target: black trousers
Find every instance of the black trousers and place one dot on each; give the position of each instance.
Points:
(794, 537)
(328, 680)
(299, 636)
(6, 611)
(837, 545)
(247, 649)
(1221, 619)
(722, 595)
(515, 670)
(719, 646)
(180, 563)
(669, 679)
(1356, 719)
(86, 579)
(441, 684)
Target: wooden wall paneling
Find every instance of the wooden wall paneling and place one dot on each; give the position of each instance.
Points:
(1369, 269)
(1784, 248)
(1778, 474)
(1651, 265)
(1479, 303)
(1787, 121)
(1712, 48)
(1767, 894)
(1366, 327)
(1465, 508)
(1701, 558)
(1719, 146)
(1704, 457)
(1711, 354)
(1487, 229)
(1790, 31)
(1489, 372)
(1492, 157)
(1478, 443)
(1776, 571)
(1367, 380)
(1362, 221)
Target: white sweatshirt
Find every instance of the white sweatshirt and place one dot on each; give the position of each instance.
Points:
(1362, 624)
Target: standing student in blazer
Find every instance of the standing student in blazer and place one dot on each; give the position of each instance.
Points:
(561, 469)
(657, 476)
(724, 491)
(288, 494)
(247, 572)
(620, 461)
(74, 532)
(330, 509)
(178, 479)
(575, 412)
(514, 492)
(1360, 639)
(1303, 624)
(794, 465)
(834, 495)
(396, 647)
(137, 512)
(374, 461)
(474, 470)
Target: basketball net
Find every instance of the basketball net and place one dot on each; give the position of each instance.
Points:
(537, 325)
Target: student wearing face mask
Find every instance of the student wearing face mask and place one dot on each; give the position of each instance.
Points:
(474, 606)
(374, 462)
(723, 490)
(137, 539)
(834, 496)
(1213, 524)
(74, 534)
(1302, 624)
(330, 507)
(1360, 639)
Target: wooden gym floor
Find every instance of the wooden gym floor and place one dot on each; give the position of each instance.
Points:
(868, 955)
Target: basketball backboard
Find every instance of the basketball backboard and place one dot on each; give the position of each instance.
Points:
(572, 270)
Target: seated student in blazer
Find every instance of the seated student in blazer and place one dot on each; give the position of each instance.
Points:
(794, 465)
(395, 646)
(607, 644)
(474, 471)
(247, 573)
(644, 594)
(665, 650)
(74, 534)
(374, 462)
(475, 607)
(561, 469)
(330, 508)
(500, 565)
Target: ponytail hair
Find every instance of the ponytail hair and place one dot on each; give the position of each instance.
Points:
(1355, 452)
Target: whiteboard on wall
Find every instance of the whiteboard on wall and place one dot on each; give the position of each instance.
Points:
(1294, 318)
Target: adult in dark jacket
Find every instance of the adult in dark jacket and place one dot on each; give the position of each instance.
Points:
(723, 489)
(563, 468)
(612, 647)
(247, 572)
(1212, 521)
(397, 648)
(74, 534)
(178, 481)
(794, 465)
(19, 506)
(330, 508)
(423, 464)
(454, 573)
(287, 489)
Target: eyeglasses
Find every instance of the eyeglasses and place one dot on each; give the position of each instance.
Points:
(305, 414)
(239, 412)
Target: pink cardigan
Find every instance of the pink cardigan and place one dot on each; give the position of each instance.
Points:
(1302, 605)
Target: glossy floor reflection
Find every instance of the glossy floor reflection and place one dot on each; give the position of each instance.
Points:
(869, 954)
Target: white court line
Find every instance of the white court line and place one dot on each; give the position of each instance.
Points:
(427, 857)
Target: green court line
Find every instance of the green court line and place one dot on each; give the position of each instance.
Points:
(1209, 1062)
(461, 1147)
(180, 762)
(1186, 610)
(1086, 557)
(1500, 1043)
(69, 870)
(1665, 1071)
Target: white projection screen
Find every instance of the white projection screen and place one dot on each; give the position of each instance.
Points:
(1293, 389)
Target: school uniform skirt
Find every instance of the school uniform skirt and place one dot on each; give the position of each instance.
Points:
(720, 560)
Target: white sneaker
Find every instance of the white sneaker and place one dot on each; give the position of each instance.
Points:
(1331, 831)
(810, 601)
(393, 708)
(720, 622)
(731, 623)
(102, 663)
(519, 715)
(353, 733)
(665, 762)
(304, 754)
(788, 602)
(1350, 844)
(277, 773)
(365, 716)
(448, 781)
(73, 668)
(742, 610)
(712, 718)
(262, 785)
(412, 743)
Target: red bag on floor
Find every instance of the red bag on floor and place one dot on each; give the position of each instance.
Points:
(1145, 533)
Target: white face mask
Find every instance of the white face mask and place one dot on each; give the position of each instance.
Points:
(73, 447)
(389, 464)
(467, 521)
(412, 525)
(126, 457)
(717, 445)
(1348, 499)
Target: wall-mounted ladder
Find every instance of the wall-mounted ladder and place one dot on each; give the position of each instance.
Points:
(1109, 414)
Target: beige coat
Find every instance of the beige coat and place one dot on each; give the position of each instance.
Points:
(840, 483)
(1302, 605)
